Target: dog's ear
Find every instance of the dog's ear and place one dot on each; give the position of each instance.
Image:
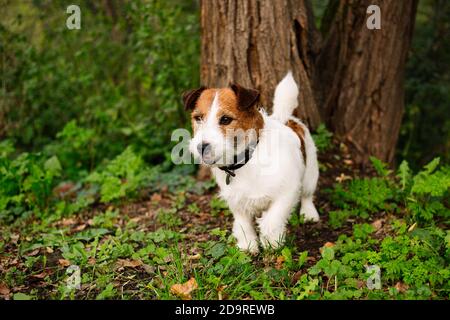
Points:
(246, 97)
(190, 97)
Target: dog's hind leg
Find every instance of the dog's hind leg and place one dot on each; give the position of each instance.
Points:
(310, 177)
(308, 210)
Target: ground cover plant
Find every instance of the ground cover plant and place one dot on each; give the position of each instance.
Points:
(135, 236)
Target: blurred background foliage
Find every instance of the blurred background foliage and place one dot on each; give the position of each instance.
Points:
(86, 95)
(425, 132)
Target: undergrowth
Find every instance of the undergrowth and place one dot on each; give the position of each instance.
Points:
(398, 222)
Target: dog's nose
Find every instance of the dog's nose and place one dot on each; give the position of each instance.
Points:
(202, 146)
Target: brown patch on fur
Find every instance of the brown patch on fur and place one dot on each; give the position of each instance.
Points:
(242, 119)
(300, 132)
(247, 98)
(203, 106)
(190, 97)
(228, 106)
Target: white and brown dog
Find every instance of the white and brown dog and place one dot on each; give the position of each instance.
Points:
(263, 164)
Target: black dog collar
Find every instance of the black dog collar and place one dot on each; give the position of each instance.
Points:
(238, 162)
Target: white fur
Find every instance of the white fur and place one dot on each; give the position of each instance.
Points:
(285, 98)
(222, 146)
(209, 131)
(270, 185)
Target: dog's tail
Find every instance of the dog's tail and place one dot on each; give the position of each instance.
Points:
(285, 98)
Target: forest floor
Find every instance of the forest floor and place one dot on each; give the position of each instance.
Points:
(166, 245)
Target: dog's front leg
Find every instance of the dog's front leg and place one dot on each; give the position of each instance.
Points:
(244, 232)
(272, 224)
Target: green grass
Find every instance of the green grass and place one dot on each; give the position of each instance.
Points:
(139, 249)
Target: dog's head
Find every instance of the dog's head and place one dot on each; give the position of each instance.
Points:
(225, 122)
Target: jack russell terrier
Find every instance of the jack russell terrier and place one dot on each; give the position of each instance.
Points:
(263, 164)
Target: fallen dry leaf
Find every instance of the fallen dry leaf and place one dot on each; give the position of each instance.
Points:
(14, 237)
(64, 262)
(49, 250)
(221, 288)
(377, 224)
(195, 257)
(342, 178)
(219, 292)
(296, 277)
(4, 290)
(79, 228)
(401, 287)
(360, 284)
(412, 227)
(137, 219)
(129, 263)
(149, 269)
(91, 261)
(33, 253)
(64, 188)
(156, 197)
(68, 221)
(279, 263)
(12, 262)
(41, 275)
(184, 290)
(348, 162)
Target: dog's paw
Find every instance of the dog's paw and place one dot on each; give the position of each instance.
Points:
(310, 213)
(271, 241)
(271, 233)
(311, 218)
(249, 246)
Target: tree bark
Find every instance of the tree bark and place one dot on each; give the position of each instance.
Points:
(352, 80)
(256, 42)
(362, 74)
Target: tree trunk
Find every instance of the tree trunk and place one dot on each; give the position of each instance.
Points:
(353, 80)
(362, 74)
(256, 42)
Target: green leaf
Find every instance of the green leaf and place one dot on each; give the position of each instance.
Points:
(380, 167)
(217, 250)
(328, 253)
(53, 166)
(435, 184)
(361, 231)
(112, 189)
(447, 240)
(302, 258)
(21, 296)
(404, 174)
(430, 167)
(322, 138)
(333, 268)
(6, 148)
(90, 234)
(107, 293)
(287, 255)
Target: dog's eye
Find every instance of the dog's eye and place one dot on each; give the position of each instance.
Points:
(224, 120)
(198, 118)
